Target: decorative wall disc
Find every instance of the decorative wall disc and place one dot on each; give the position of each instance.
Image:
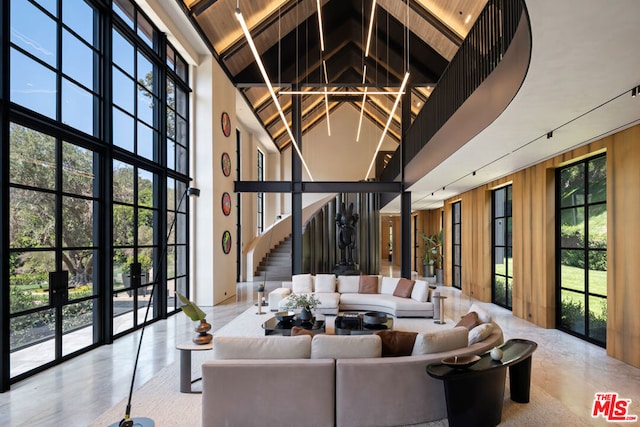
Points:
(226, 203)
(226, 164)
(226, 242)
(226, 124)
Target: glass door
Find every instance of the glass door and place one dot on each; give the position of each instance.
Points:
(135, 215)
(53, 254)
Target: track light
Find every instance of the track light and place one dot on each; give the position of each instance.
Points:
(373, 13)
(473, 173)
(386, 128)
(549, 134)
(265, 76)
(634, 92)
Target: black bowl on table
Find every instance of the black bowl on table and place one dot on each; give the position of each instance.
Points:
(460, 362)
(374, 318)
(285, 316)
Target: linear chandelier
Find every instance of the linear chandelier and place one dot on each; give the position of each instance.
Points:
(386, 128)
(341, 92)
(326, 96)
(265, 76)
(364, 71)
(364, 99)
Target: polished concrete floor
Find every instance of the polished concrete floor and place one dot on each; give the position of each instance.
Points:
(78, 391)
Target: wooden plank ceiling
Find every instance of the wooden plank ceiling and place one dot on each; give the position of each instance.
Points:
(286, 34)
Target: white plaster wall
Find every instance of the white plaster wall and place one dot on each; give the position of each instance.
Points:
(214, 271)
(339, 157)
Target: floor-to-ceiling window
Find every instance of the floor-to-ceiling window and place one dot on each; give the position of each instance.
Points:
(582, 249)
(456, 244)
(502, 247)
(95, 153)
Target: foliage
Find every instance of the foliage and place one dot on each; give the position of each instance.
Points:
(573, 318)
(308, 301)
(189, 308)
(433, 249)
(34, 327)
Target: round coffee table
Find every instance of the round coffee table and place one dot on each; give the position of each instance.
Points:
(354, 324)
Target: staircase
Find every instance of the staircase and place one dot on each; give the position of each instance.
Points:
(276, 266)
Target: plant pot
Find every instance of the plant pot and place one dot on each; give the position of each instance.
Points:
(305, 314)
(439, 276)
(202, 336)
(428, 270)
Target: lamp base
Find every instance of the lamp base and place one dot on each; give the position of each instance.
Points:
(134, 422)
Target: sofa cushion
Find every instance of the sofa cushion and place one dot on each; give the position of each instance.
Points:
(483, 315)
(404, 288)
(469, 320)
(345, 346)
(397, 343)
(479, 333)
(440, 341)
(275, 347)
(348, 284)
(297, 331)
(388, 285)
(325, 283)
(420, 291)
(302, 283)
(368, 285)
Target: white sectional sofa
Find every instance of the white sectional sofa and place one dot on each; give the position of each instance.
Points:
(391, 295)
(334, 380)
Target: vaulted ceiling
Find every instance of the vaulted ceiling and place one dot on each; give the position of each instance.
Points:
(420, 36)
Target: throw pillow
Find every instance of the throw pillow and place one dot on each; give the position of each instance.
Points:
(469, 320)
(397, 343)
(404, 288)
(348, 284)
(368, 285)
(440, 341)
(325, 283)
(388, 285)
(302, 284)
(480, 333)
(420, 291)
(483, 315)
(297, 330)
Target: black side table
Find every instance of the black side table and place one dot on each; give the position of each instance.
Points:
(474, 395)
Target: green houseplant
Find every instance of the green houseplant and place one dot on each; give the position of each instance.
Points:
(432, 259)
(195, 313)
(306, 302)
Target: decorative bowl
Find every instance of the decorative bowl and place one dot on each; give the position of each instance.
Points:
(285, 316)
(460, 362)
(374, 318)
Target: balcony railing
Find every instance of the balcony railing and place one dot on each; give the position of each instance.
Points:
(480, 53)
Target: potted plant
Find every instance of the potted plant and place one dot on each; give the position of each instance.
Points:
(306, 302)
(193, 312)
(432, 260)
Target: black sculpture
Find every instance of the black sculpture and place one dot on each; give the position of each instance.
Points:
(346, 221)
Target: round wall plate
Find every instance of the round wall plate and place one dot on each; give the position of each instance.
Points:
(226, 124)
(225, 163)
(226, 241)
(226, 203)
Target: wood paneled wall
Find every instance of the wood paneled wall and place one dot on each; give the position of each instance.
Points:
(534, 276)
(623, 246)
